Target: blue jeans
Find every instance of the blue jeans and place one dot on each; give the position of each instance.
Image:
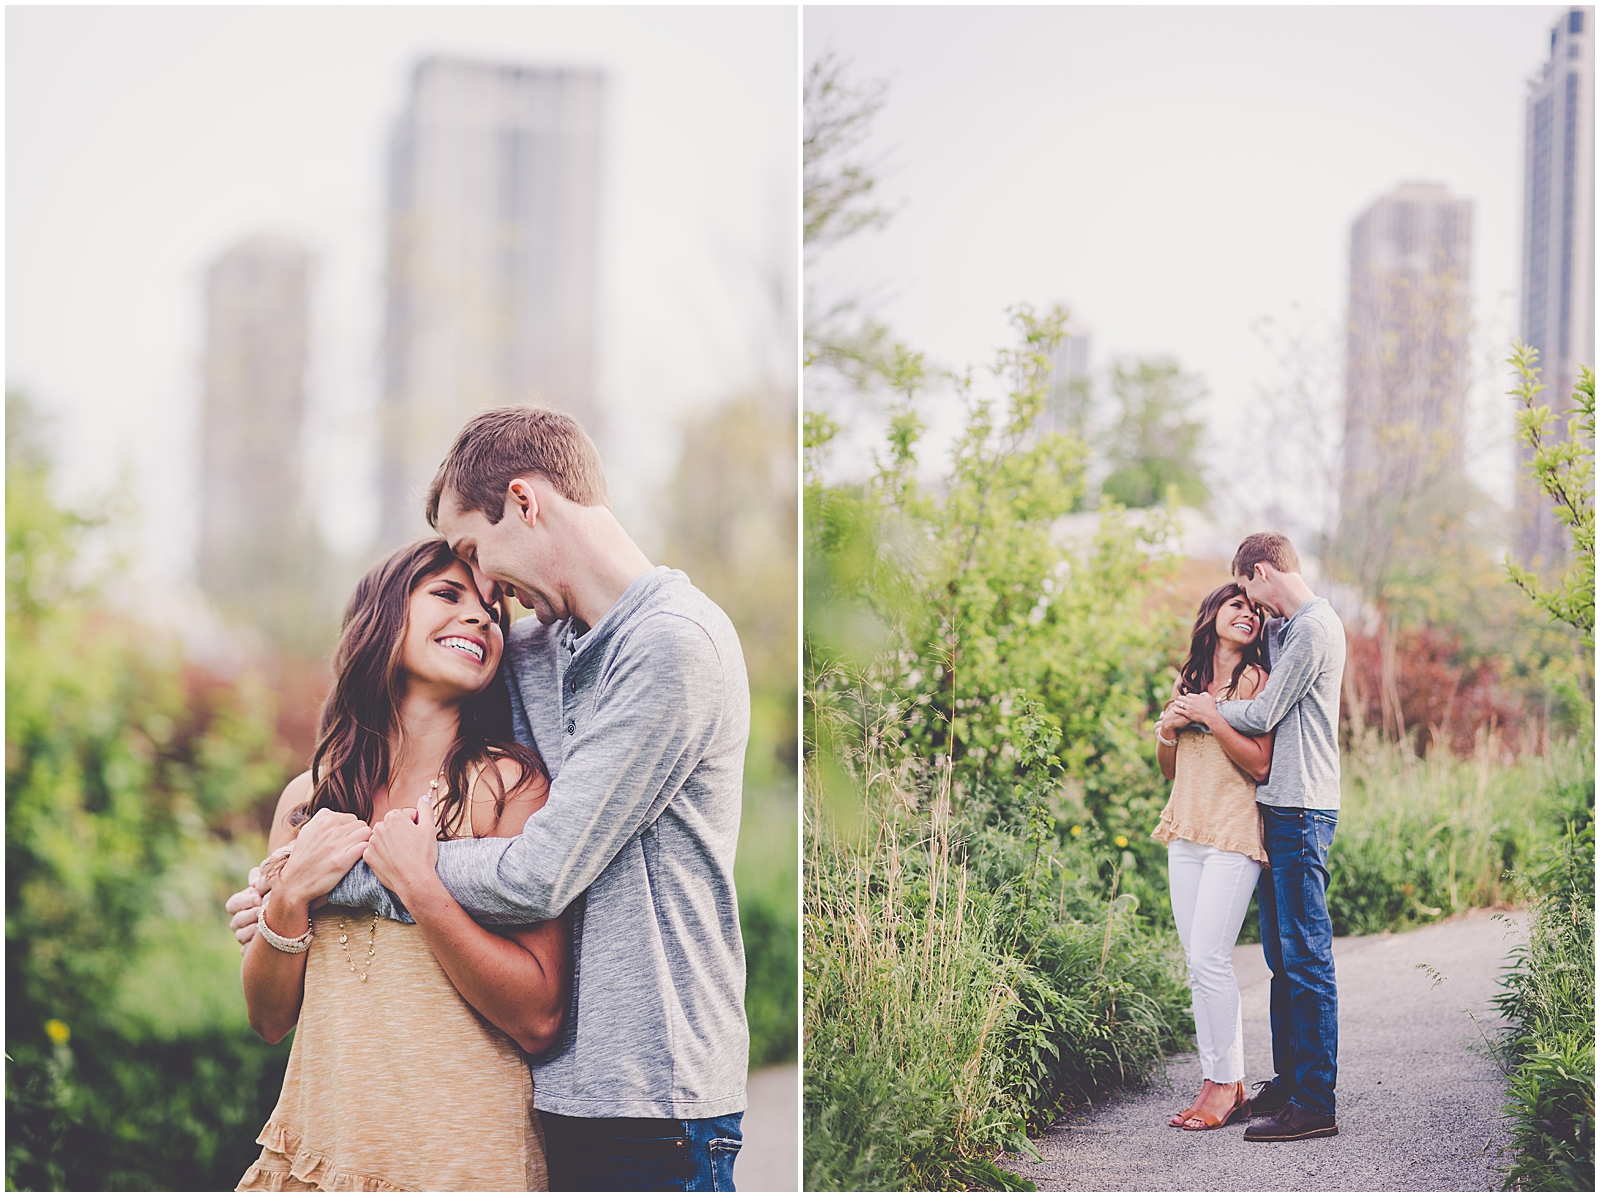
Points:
(641, 1155)
(1297, 939)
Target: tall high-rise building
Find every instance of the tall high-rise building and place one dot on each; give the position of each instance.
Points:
(257, 550)
(1406, 358)
(494, 178)
(1066, 408)
(1557, 250)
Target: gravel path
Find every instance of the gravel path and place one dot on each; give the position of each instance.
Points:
(1419, 1096)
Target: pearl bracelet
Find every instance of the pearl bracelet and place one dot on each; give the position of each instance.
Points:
(1163, 740)
(293, 946)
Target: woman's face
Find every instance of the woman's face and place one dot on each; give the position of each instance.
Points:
(1237, 622)
(452, 641)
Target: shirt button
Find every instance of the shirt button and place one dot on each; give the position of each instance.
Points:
(572, 726)
(573, 685)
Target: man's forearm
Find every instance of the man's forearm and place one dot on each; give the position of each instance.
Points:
(1248, 716)
(508, 881)
(1290, 682)
(362, 889)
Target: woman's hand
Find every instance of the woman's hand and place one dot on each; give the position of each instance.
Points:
(404, 851)
(1197, 708)
(326, 847)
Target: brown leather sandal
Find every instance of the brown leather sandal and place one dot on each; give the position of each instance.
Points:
(1239, 1112)
(1182, 1116)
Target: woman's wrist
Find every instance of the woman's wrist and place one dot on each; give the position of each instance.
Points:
(419, 892)
(287, 914)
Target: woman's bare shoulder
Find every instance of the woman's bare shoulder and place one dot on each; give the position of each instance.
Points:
(295, 795)
(520, 803)
(1252, 681)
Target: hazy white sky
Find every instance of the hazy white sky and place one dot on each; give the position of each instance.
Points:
(1175, 174)
(142, 143)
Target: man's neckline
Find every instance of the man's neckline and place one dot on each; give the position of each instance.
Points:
(645, 584)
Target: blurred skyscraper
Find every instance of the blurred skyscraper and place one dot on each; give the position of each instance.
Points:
(1406, 357)
(1557, 250)
(1066, 409)
(494, 177)
(258, 553)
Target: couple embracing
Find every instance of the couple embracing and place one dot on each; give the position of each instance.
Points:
(500, 911)
(1250, 741)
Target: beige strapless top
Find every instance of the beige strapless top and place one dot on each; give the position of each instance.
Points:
(395, 1083)
(1213, 800)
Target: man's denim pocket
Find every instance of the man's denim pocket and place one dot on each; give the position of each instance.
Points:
(723, 1154)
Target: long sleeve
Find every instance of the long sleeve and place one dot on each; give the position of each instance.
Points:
(649, 725)
(1305, 652)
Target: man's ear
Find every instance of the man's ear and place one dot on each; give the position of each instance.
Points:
(521, 501)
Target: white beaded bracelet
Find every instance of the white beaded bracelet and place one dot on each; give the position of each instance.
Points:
(1162, 739)
(293, 946)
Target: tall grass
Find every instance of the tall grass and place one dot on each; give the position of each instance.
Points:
(962, 984)
(1422, 839)
(1548, 1001)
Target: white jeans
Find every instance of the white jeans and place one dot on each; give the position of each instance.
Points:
(1210, 893)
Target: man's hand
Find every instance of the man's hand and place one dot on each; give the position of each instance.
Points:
(245, 905)
(1171, 722)
(404, 850)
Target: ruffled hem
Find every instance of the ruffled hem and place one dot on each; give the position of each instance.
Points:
(1166, 831)
(284, 1158)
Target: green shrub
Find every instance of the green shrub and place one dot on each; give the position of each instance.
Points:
(1421, 840)
(769, 919)
(962, 986)
(1548, 1001)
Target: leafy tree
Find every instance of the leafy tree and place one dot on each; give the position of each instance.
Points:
(1564, 470)
(1153, 447)
(948, 609)
(838, 204)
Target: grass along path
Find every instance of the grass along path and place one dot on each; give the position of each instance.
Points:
(1419, 1094)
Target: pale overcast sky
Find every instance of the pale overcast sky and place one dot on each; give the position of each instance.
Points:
(1176, 174)
(141, 143)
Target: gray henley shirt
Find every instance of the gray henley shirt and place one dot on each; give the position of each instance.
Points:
(643, 725)
(1300, 705)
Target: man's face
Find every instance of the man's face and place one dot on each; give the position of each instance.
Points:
(1258, 590)
(499, 555)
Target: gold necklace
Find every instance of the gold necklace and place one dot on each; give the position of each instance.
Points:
(372, 939)
(372, 932)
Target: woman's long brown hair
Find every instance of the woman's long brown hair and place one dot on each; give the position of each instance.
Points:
(1196, 676)
(352, 755)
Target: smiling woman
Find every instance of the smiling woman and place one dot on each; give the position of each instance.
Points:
(415, 710)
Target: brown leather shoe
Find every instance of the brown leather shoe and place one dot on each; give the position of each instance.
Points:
(1289, 1124)
(1270, 1098)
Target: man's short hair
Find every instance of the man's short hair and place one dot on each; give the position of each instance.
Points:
(503, 443)
(1272, 547)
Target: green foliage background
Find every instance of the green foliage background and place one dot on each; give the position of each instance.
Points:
(987, 929)
(133, 782)
(129, 1062)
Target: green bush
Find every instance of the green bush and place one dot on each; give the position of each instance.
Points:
(1421, 840)
(765, 872)
(1548, 1002)
(128, 1062)
(981, 790)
